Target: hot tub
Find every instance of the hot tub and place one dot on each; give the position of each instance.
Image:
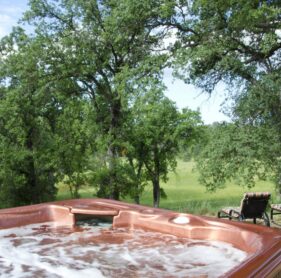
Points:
(105, 238)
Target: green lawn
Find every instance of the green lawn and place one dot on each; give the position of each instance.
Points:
(185, 194)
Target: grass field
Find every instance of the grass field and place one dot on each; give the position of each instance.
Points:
(185, 194)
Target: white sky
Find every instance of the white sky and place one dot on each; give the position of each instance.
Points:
(188, 96)
(184, 95)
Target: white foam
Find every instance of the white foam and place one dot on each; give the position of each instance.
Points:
(181, 220)
(34, 251)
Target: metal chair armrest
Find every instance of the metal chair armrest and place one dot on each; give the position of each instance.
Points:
(238, 213)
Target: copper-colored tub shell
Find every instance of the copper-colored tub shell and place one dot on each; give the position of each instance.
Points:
(261, 243)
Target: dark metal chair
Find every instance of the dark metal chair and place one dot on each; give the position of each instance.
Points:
(274, 210)
(253, 206)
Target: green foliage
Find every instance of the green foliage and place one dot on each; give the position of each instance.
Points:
(158, 129)
(230, 41)
(236, 152)
(75, 141)
(43, 134)
(106, 48)
(124, 178)
(238, 43)
(26, 140)
(86, 87)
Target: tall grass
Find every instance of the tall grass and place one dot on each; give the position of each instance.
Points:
(185, 194)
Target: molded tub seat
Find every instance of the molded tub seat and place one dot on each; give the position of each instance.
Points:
(262, 244)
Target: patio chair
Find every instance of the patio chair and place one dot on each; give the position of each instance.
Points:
(253, 206)
(274, 210)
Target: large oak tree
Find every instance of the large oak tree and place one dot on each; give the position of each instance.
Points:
(237, 43)
(107, 48)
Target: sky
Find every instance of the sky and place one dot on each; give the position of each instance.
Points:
(182, 94)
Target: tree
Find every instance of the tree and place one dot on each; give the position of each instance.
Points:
(238, 43)
(75, 139)
(27, 161)
(237, 152)
(158, 128)
(107, 48)
(234, 42)
(44, 133)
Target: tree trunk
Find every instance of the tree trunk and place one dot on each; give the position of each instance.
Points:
(115, 194)
(156, 192)
(115, 113)
(76, 191)
(71, 191)
(156, 182)
(31, 173)
(137, 186)
(137, 195)
(32, 183)
(112, 192)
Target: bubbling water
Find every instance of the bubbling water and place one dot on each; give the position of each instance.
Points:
(100, 251)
